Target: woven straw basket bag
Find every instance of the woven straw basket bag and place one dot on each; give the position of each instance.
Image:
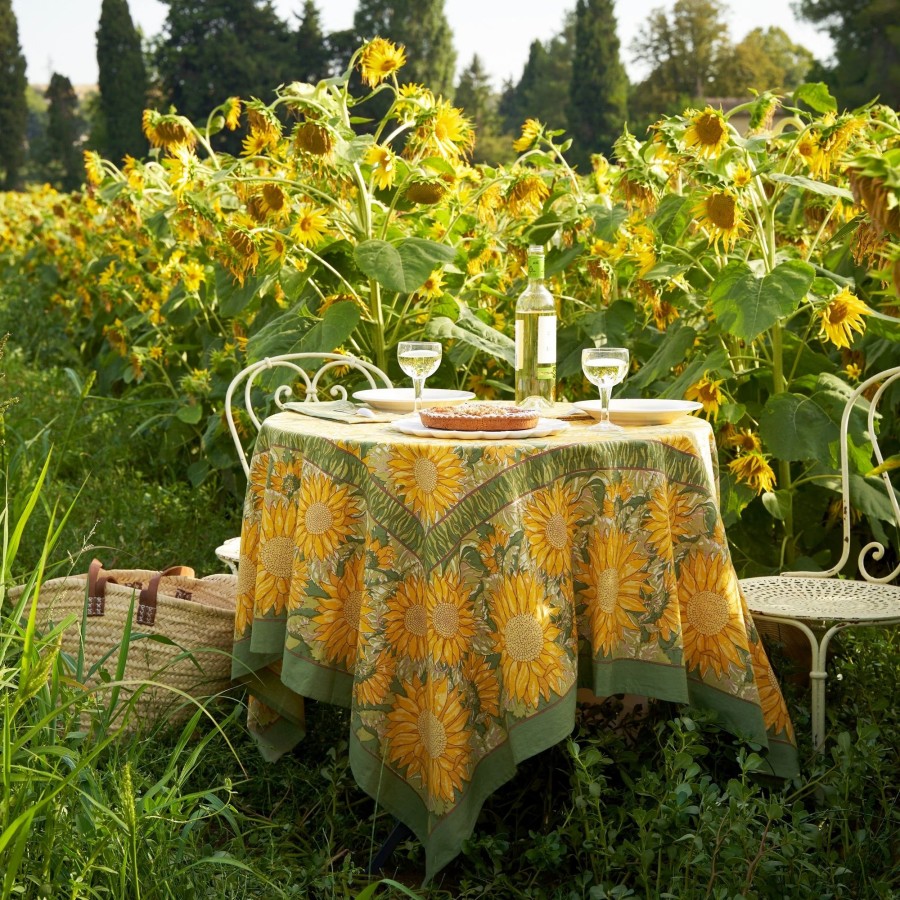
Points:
(193, 616)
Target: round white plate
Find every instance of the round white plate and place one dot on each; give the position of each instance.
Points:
(542, 429)
(401, 400)
(642, 412)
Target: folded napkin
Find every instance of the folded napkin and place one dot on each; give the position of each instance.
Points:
(339, 411)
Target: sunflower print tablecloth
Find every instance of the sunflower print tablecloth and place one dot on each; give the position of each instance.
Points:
(456, 594)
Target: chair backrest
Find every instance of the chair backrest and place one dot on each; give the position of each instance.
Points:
(876, 548)
(327, 362)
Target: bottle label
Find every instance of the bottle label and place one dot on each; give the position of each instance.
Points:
(536, 265)
(546, 341)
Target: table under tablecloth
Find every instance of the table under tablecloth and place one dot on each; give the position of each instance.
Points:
(454, 595)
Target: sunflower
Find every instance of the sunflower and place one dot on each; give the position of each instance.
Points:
(374, 681)
(739, 438)
(232, 109)
(719, 213)
(531, 661)
(380, 58)
(707, 133)
(443, 131)
(314, 138)
(428, 734)
(257, 142)
(406, 620)
(277, 550)
(326, 512)
(273, 201)
(775, 712)
(482, 679)
(615, 575)
(526, 194)
(842, 316)
(257, 480)
(93, 167)
(668, 517)
(274, 247)
(430, 477)
(451, 619)
(433, 286)
(742, 176)
(531, 131)
(493, 547)
(712, 627)
(427, 191)
(193, 274)
(310, 226)
(753, 468)
(169, 131)
(550, 520)
(342, 613)
(853, 371)
(383, 555)
(246, 580)
(707, 392)
(383, 163)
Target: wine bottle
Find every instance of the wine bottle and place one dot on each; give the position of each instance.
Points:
(535, 338)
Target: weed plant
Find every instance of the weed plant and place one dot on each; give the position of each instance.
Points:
(656, 804)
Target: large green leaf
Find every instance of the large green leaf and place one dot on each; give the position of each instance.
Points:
(607, 221)
(672, 217)
(716, 361)
(671, 353)
(816, 96)
(746, 305)
(234, 297)
(816, 187)
(403, 268)
(796, 427)
(296, 331)
(471, 330)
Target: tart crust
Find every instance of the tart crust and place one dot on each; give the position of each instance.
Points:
(479, 417)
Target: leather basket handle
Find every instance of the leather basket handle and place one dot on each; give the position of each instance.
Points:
(146, 612)
(96, 603)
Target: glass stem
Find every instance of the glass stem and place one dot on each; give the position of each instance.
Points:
(418, 385)
(604, 405)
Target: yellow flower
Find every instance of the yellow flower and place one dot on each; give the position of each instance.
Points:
(426, 191)
(775, 713)
(314, 138)
(615, 575)
(707, 133)
(310, 227)
(526, 194)
(257, 142)
(93, 167)
(753, 469)
(842, 316)
(232, 107)
(429, 477)
(406, 620)
(550, 520)
(451, 619)
(853, 371)
(383, 164)
(742, 176)
(525, 636)
(193, 274)
(718, 212)
(433, 287)
(707, 392)
(341, 615)
(428, 734)
(274, 247)
(278, 561)
(327, 513)
(668, 514)
(741, 439)
(712, 625)
(531, 131)
(374, 682)
(246, 581)
(479, 675)
(443, 131)
(273, 201)
(169, 131)
(379, 59)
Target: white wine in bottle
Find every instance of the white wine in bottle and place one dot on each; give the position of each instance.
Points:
(535, 338)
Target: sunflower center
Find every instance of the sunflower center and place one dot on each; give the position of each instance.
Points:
(319, 518)
(277, 556)
(836, 312)
(416, 620)
(556, 531)
(246, 580)
(426, 474)
(431, 733)
(446, 619)
(720, 209)
(524, 637)
(709, 129)
(352, 608)
(608, 590)
(707, 612)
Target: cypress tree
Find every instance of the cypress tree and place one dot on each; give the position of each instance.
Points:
(13, 106)
(599, 87)
(422, 27)
(313, 55)
(64, 133)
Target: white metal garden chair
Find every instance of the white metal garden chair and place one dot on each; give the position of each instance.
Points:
(819, 604)
(229, 552)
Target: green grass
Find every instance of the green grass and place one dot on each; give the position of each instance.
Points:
(668, 805)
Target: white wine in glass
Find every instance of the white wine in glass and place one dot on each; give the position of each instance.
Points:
(418, 359)
(605, 367)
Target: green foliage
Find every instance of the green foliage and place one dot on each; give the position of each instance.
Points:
(64, 128)
(122, 81)
(867, 43)
(598, 96)
(767, 60)
(313, 56)
(13, 107)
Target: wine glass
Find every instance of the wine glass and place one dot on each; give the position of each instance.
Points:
(418, 359)
(605, 367)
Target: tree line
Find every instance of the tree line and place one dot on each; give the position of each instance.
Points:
(575, 80)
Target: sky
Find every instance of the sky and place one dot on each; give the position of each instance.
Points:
(60, 35)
